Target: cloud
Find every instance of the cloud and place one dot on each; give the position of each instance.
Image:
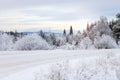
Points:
(55, 12)
(12, 4)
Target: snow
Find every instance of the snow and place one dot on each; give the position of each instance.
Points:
(105, 42)
(5, 42)
(31, 42)
(65, 64)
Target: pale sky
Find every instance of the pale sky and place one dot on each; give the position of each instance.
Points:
(54, 14)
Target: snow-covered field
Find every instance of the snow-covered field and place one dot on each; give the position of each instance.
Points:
(60, 65)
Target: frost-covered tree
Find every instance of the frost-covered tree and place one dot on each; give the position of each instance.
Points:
(64, 32)
(116, 28)
(84, 34)
(86, 43)
(51, 39)
(112, 23)
(118, 15)
(71, 30)
(61, 40)
(42, 34)
(31, 42)
(78, 37)
(88, 28)
(6, 42)
(104, 42)
(100, 28)
(71, 39)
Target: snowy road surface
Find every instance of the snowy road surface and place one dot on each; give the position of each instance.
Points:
(14, 61)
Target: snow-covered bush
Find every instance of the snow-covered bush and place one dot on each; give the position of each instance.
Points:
(87, 72)
(31, 42)
(71, 39)
(56, 71)
(105, 42)
(101, 68)
(51, 39)
(6, 42)
(61, 41)
(86, 43)
(59, 72)
(78, 37)
(68, 46)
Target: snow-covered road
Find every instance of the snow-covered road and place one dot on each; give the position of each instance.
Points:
(14, 61)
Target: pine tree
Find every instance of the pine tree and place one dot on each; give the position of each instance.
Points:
(71, 30)
(42, 34)
(116, 28)
(15, 35)
(78, 37)
(118, 15)
(51, 39)
(64, 32)
(88, 28)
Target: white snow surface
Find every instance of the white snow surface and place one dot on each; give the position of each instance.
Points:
(74, 64)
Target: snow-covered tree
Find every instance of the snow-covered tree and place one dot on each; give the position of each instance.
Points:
(84, 34)
(86, 43)
(101, 27)
(71, 39)
(104, 42)
(64, 32)
(61, 40)
(116, 28)
(6, 42)
(78, 37)
(71, 30)
(42, 34)
(51, 39)
(31, 42)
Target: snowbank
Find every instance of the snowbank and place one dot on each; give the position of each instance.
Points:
(60, 65)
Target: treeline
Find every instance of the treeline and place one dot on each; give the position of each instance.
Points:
(98, 35)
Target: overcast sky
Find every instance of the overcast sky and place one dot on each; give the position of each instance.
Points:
(54, 14)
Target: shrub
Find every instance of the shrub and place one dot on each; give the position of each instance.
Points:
(31, 42)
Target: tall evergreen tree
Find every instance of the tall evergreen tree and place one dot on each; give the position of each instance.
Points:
(15, 35)
(116, 29)
(118, 15)
(52, 39)
(64, 32)
(71, 30)
(42, 34)
(88, 28)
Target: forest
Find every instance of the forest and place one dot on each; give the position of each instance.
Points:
(101, 34)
